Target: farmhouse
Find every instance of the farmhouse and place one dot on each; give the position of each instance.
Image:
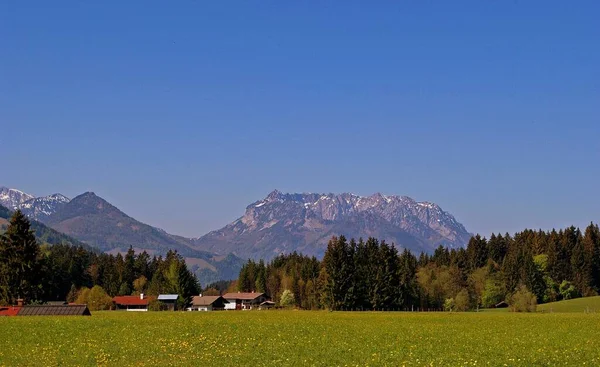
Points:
(208, 303)
(244, 300)
(132, 303)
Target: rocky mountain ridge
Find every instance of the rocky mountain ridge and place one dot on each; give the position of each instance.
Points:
(305, 222)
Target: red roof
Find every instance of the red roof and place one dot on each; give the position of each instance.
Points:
(132, 300)
(9, 310)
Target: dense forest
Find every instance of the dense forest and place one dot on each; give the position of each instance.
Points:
(372, 275)
(40, 273)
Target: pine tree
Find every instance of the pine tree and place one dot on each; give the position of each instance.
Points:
(407, 274)
(336, 273)
(19, 263)
(477, 252)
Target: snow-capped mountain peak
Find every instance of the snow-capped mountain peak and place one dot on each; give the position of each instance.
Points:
(38, 208)
(13, 198)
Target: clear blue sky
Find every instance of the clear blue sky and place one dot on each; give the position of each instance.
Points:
(182, 113)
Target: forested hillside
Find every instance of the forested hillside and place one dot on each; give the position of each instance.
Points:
(62, 271)
(42, 232)
(548, 266)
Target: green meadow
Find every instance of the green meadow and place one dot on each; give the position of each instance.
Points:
(586, 304)
(302, 338)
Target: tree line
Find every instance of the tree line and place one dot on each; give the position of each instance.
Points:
(527, 268)
(40, 273)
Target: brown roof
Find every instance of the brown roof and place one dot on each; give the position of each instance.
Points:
(247, 296)
(46, 310)
(132, 300)
(206, 300)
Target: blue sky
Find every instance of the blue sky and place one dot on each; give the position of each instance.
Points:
(182, 113)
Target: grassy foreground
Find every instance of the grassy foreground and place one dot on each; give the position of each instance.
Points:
(293, 338)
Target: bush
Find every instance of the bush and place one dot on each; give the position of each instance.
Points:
(287, 299)
(567, 290)
(96, 298)
(462, 301)
(449, 304)
(492, 294)
(522, 300)
(156, 305)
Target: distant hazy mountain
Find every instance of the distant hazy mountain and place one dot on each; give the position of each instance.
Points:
(305, 223)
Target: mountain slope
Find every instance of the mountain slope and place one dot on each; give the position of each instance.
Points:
(98, 223)
(95, 221)
(42, 232)
(305, 223)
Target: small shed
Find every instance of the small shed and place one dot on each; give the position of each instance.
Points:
(54, 310)
(169, 300)
(266, 305)
(208, 303)
(502, 304)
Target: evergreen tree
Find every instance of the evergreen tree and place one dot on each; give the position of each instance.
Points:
(591, 245)
(407, 274)
(19, 263)
(337, 273)
(477, 252)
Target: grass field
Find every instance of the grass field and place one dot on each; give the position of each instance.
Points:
(302, 338)
(587, 304)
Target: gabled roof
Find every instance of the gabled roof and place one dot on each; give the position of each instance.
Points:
(58, 310)
(168, 297)
(246, 296)
(132, 300)
(206, 300)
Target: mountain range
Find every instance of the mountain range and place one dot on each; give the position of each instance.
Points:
(283, 223)
(95, 222)
(279, 223)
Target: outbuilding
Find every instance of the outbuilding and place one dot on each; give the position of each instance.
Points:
(169, 301)
(267, 305)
